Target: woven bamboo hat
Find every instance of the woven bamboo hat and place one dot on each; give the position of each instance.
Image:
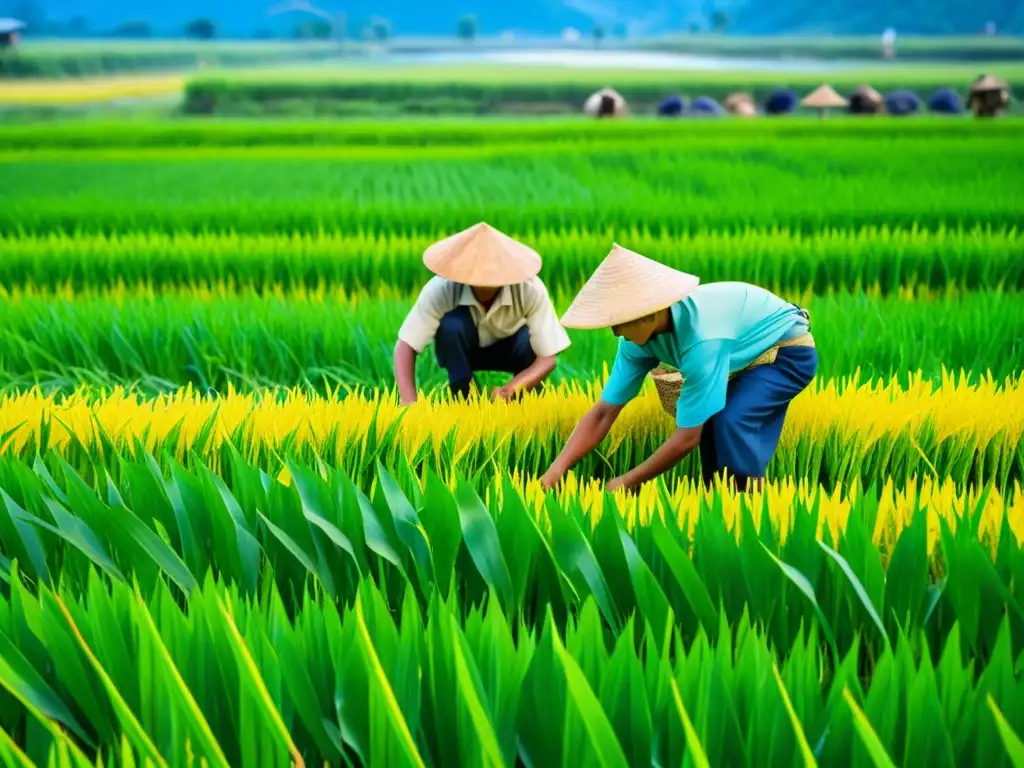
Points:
(988, 83)
(624, 287)
(482, 256)
(823, 97)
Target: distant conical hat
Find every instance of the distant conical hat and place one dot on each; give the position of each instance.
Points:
(482, 256)
(593, 103)
(740, 104)
(624, 287)
(865, 91)
(989, 83)
(823, 97)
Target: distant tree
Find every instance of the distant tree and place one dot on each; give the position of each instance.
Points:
(313, 30)
(380, 29)
(599, 34)
(133, 29)
(78, 26)
(201, 29)
(720, 20)
(33, 14)
(694, 28)
(467, 27)
(262, 34)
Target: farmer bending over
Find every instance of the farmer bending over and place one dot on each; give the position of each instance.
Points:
(733, 402)
(485, 311)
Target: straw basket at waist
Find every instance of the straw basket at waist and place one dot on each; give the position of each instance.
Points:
(669, 382)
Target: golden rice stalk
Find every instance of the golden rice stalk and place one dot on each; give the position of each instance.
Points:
(855, 415)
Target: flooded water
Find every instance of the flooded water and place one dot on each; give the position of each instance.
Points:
(637, 60)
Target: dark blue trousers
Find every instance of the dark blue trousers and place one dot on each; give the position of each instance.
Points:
(458, 349)
(741, 439)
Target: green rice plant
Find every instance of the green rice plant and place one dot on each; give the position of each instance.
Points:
(895, 570)
(871, 258)
(97, 135)
(327, 339)
(671, 186)
(426, 626)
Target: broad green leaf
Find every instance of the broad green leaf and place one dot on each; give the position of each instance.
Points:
(801, 738)
(482, 543)
(858, 588)
(687, 577)
(132, 728)
(879, 756)
(606, 746)
(471, 698)
(1011, 741)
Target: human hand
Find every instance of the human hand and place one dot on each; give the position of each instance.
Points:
(618, 484)
(550, 479)
(502, 393)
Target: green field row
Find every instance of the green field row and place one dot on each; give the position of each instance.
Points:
(490, 88)
(673, 186)
(455, 133)
(833, 259)
(421, 624)
(322, 340)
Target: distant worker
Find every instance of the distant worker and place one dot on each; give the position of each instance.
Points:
(485, 311)
(743, 353)
(889, 43)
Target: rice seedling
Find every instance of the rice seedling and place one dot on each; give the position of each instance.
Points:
(334, 337)
(836, 432)
(871, 258)
(432, 627)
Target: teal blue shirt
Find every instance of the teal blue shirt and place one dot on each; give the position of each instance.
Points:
(717, 330)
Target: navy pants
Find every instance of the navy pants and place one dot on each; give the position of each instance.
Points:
(459, 352)
(741, 439)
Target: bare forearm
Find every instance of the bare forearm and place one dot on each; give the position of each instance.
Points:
(668, 455)
(591, 430)
(539, 370)
(405, 372)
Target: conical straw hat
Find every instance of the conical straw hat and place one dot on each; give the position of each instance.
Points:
(823, 97)
(626, 286)
(867, 92)
(988, 83)
(482, 256)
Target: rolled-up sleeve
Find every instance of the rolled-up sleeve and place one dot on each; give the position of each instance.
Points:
(705, 383)
(421, 323)
(547, 336)
(627, 375)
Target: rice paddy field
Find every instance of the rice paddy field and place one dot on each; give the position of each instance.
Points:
(224, 542)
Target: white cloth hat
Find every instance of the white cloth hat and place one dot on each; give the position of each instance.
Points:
(482, 256)
(626, 286)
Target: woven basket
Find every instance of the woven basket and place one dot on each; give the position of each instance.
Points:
(669, 384)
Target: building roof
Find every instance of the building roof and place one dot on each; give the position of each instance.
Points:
(10, 25)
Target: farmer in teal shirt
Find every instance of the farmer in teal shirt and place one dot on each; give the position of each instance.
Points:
(743, 352)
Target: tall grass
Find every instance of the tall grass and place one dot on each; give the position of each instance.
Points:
(376, 259)
(326, 338)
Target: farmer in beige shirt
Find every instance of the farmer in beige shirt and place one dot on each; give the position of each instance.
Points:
(486, 310)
